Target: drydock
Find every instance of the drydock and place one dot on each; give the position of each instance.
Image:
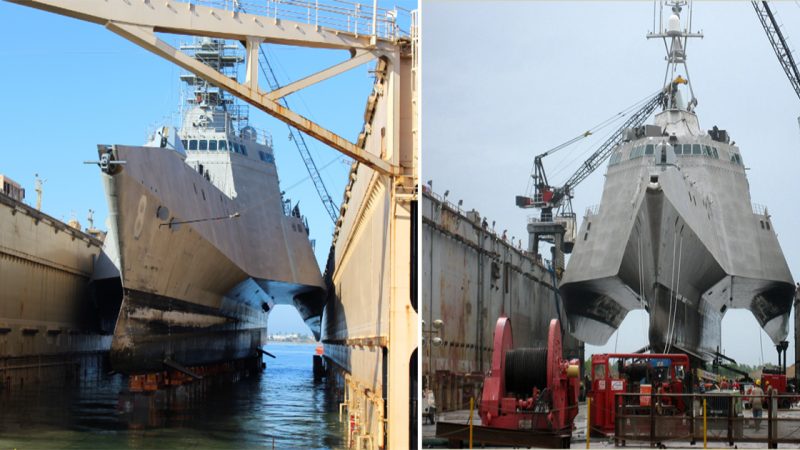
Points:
(675, 234)
(471, 276)
(50, 325)
(369, 322)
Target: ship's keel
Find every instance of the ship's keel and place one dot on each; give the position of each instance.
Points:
(685, 324)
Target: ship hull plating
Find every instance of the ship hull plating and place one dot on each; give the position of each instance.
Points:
(199, 291)
(166, 328)
(679, 238)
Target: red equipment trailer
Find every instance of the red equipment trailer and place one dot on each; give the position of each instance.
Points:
(778, 382)
(616, 373)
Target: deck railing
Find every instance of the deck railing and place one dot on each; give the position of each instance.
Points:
(356, 18)
(709, 417)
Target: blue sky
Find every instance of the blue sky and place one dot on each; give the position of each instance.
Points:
(504, 81)
(70, 85)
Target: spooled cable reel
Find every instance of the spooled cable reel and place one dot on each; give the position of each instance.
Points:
(530, 388)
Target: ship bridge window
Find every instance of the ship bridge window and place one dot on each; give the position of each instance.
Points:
(714, 152)
(243, 148)
(223, 146)
(697, 149)
(193, 144)
(648, 150)
(185, 143)
(212, 145)
(235, 147)
(637, 151)
(266, 157)
(203, 144)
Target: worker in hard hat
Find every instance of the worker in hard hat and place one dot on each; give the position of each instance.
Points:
(757, 400)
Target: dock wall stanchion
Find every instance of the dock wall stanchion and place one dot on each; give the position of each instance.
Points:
(471, 407)
(705, 425)
(653, 414)
(588, 420)
(693, 417)
(771, 414)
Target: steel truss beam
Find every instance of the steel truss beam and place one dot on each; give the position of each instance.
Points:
(360, 58)
(177, 17)
(139, 20)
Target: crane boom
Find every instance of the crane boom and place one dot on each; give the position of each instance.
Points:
(547, 197)
(593, 162)
(298, 139)
(778, 42)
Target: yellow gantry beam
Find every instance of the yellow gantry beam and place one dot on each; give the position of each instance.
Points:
(169, 16)
(357, 60)
(139, 20)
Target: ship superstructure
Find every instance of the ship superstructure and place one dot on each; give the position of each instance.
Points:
(676, 233)
(206, 243)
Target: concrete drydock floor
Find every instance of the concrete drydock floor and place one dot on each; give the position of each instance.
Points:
(429, 439)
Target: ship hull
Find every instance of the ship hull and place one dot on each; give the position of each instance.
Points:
(160, 328)
(195, 291)
(682, 241)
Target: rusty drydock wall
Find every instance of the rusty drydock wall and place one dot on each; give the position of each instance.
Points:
(470, 277)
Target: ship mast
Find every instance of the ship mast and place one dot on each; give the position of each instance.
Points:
(675, 38)
(223, 58)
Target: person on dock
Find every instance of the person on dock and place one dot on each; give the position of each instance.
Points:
(757, 399)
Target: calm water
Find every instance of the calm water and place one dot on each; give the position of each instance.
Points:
(282, 405)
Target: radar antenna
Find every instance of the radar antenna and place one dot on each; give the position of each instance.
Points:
(676, 37)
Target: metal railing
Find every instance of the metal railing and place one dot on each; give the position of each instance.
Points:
(541, 218)
(592, 210)
(759, 209)
(356, 18)
(710, 417)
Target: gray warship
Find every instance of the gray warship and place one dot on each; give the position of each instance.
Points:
(676, 233)
(204, 241)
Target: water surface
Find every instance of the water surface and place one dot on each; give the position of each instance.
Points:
(282, 406)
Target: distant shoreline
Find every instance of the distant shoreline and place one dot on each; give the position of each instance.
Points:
(310, 341)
